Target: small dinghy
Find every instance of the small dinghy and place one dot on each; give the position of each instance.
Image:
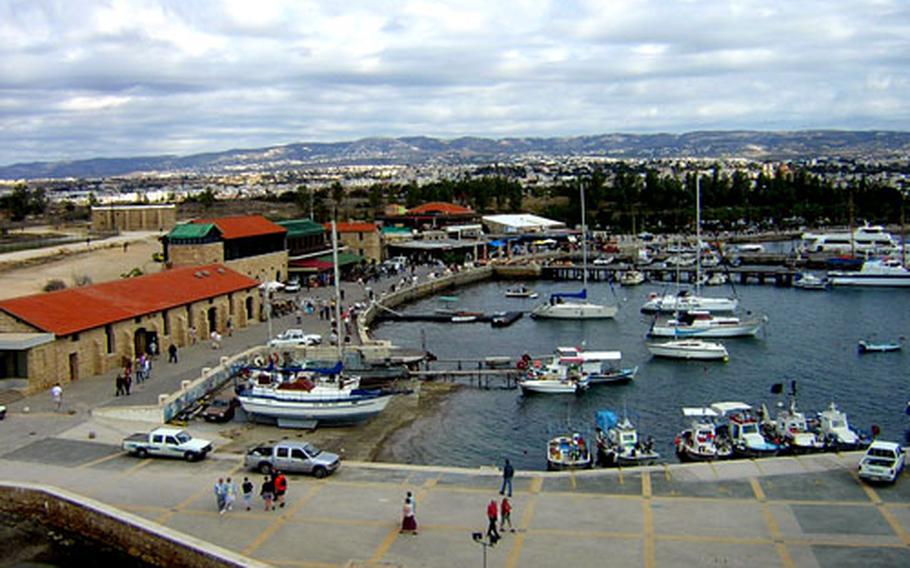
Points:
(521, 292)
(868, 347)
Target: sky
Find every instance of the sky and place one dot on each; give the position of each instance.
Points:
(82, 78)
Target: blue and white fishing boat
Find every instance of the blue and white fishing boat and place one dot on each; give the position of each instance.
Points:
(618, 443)
(598, 367)
(740, 426)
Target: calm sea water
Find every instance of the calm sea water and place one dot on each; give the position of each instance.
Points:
(811, 338)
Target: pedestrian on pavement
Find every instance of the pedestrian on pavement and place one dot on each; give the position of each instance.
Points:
(172, 353)
(505, 515)
(57, 397)
(121, 385)
(193, 335)
(247, 488)
(281, 487)
(153, 348)
(408, 520)
(147, 368)
(230, 494)
(508, 472)
(492, 513)
(220, 494)
(127, 380)
(230, 327)
(267, 492)
(216, 339)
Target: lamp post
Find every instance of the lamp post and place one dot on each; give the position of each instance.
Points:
(478, 538)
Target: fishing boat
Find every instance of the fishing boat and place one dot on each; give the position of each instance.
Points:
(552, 379)
(704, 324)
(309, 398)
(809, 281)
(568, 451)
(740, 427)
(563, 305)
(521, 292)
(716, 279)
(596, 367)
(698, 442)
(864, 346)
(887, 273)
(792, 428)
(631, 278)
(690, 349)
(618, 443)
(836, 432)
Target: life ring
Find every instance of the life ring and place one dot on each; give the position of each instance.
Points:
(258, 361)
(522, 364)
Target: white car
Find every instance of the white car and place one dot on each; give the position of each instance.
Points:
(294, 337)
(292, 287)
(883, 461)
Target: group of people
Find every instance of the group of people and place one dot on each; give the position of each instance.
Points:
(273, 490)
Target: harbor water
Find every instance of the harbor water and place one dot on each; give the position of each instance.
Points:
(811, 337)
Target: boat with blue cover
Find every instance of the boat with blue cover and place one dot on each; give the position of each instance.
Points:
(618, 442)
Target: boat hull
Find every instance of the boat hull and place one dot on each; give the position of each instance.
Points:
(724, 330)
(681, 351)
(338, 411)
(574, 311)
(549, 387)
(877, 281)
(618, 376)
(670, 304)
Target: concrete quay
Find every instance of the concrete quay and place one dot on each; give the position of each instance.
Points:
(808, 511)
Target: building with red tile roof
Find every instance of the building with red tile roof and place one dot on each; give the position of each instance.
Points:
(250, 244)
(78, 332)
(433, 215)
(440, 208)
(359, 237)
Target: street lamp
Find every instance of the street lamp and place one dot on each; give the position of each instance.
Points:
(478, 538)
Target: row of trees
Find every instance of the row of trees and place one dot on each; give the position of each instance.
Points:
(23, 201)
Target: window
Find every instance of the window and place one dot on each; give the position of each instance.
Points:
(298, 454)
(138, 320)
(171, 440)
(167, 322)
(74, 337)
(157, 439)
(281, 452)
(189, 316)
(109, 336)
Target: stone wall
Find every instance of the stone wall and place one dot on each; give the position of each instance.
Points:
(150, 542)
(136, 218)
(368, 245)
(263, 267)
(195, 254)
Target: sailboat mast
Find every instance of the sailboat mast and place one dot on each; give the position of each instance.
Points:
(697, 232)
(339, 340)
(584, 240)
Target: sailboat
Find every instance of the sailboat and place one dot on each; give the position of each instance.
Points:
(562, 305)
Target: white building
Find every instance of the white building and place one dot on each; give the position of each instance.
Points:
(519, 224)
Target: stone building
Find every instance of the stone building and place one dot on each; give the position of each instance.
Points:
(362, 239)
(249, 244)
(107, 218)
(433, 215)
(80, 332)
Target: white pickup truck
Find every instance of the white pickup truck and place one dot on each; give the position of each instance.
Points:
(167, 442)
(295, 337)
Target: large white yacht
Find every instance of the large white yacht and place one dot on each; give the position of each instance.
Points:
(871, 239)
(880, 273)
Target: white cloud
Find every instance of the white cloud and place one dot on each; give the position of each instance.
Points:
(128, 77)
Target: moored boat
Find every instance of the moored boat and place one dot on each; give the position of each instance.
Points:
(632, 278)
(887, 273)
(741, 430)
(569, 451)
(864, 346)
(690, 349)
(521, 292)
(704, 324)
(836, 432)
(596, 367)
(618, 443)
(792, 428)
(684, 300)
(809, 281)
(552, 379)
(699, 441)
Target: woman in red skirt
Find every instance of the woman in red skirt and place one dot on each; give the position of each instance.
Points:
(408, 521)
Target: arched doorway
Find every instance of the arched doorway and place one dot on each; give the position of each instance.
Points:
(140, 341)
(213, 319)
(249, 308)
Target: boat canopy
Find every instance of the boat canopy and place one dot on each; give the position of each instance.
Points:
(605, 419)
(569, 355)
(722, 408)
(699, 411)
(580, 295)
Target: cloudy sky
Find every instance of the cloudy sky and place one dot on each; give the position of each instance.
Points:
(122, 78)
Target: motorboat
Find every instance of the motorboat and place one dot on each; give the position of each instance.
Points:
(690, 349)
(632, 278)
(596, 367)
(568, 451)
(835, 430)
(574, 305)
(684, 300)
(618, 443)
(521, 292)
(741, 429)
(310, 398)
(716, 279)
(889, 272)
(809, 281)
(704, 324)
(699, 441)
(868, 239)
(864, 346)
(792, 428)
(552, 379)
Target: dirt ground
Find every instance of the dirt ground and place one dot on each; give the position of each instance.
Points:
(101, 264)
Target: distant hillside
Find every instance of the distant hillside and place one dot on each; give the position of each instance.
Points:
(424, 150)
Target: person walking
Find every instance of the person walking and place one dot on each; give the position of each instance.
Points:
(281, 487)
(267, 492)
(230, 494)
(508, 472)
(492, 514)
(194, 335)
(57, 397)
(230, 327)
(216, 339)
(172, 353)
(219, 494)
(121, 385)
(146, 368)
(247, 488)
(505, 515)
(408, 518)
(153, 348)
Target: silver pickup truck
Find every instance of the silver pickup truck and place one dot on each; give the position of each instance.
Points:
(298, 457)
(167, 442)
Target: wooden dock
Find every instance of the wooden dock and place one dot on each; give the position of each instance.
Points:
(743, 274)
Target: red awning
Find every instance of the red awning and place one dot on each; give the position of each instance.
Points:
(311, 264)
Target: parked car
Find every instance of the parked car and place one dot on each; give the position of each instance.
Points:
(292, 287)
(221, 409)
(167, 442)
(884, 461)
(287, 456)
(295, 337)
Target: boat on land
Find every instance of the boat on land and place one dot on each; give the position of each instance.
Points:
(864, 346)
(618, 442)
(741, 430)
(568, 451)
(565, 305)
(887, 273)
(704, 324)
(695, 349)
(809, 281)
(698, 442)
(521, 292)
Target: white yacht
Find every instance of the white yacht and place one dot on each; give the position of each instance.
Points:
(684, 301)
(690, 349)
(704, 324)
(632, 278)
(880, 273)
(871, 239)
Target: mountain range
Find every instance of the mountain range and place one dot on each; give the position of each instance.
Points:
(756, 145)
